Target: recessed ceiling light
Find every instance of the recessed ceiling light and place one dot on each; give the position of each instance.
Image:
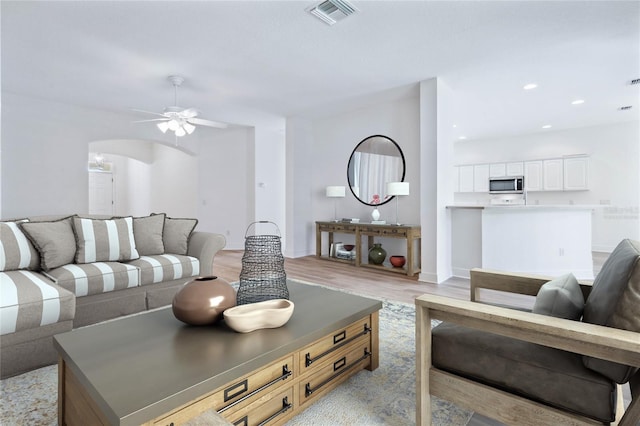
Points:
(577, 102)
(455, 125)
(529, 86)
(546, 126)
(462, 138)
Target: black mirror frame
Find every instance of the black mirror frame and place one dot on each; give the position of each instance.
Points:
(404, 168)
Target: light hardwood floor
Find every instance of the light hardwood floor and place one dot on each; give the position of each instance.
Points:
(370, 282)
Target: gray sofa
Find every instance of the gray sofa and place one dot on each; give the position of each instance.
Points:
(62, 272)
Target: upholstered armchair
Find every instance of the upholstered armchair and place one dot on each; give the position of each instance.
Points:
(536, 368)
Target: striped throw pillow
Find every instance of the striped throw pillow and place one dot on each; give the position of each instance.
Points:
(16, 251)
(104, 240)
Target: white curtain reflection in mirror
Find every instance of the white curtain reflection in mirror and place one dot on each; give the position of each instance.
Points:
(371, 174)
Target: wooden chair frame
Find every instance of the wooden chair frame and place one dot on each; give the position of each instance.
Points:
(582, 338)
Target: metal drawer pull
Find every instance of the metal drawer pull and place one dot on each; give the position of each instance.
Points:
(286, 405)
(242, 422)
(285, 374)
(308, 390)
(339, 337)
(308, 360)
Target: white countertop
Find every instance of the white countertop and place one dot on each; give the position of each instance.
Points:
(528, 207)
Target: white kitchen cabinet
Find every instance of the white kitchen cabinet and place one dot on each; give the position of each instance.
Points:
(533, 175)
(497, 170)
(515, 168)
(576, 173)
(552, 174)
(456, 179)
(481, 178)
(465, 176)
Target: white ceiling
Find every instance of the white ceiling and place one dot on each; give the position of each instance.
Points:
(273, 57)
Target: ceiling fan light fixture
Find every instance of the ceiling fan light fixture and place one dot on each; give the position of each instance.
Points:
(173, 125)
(163, 126)
(180, 132)
(188, 127)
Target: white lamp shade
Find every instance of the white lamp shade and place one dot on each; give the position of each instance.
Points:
(335, 191)
(163, 126)
(188, 127)
(397, 188)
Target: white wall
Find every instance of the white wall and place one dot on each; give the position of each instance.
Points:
(613, 173)
(174, 178)
(224, 188)
(334, 138)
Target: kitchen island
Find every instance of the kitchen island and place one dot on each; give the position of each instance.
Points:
(538, 239)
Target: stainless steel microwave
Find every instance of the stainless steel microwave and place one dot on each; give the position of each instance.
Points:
(506, 185)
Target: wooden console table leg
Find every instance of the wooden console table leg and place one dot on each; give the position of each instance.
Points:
(61, 392)
(318, 241)
(410, 260)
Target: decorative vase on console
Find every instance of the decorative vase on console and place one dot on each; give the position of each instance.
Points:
(377, 254)
(375, 214)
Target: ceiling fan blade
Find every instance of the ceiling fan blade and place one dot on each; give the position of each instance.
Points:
(148, 112)
(202, 122)
(190, 113)
(152, 119)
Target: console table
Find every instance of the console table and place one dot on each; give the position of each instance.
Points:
(411, 233)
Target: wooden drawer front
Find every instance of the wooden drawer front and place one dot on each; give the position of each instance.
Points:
(398, 232)
(338, 228)
(236, 394)
(324, 348)
(272, 411)
(325, 377)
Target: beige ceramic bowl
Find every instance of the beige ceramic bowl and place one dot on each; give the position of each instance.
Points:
(253, 316)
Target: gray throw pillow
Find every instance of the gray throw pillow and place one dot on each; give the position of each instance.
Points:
(613, 303)
(560, 298)
(176, 233)
(147, 232)
(54, 241)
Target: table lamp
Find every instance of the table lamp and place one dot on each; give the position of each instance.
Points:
(335, 192)
(397, 189)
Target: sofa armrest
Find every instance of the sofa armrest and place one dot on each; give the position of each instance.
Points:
(204, 246)
(587, 339)
(527, 284)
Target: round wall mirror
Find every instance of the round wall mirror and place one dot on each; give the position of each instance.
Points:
(374, 162)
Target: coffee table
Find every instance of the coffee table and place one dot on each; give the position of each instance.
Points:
(152, 369)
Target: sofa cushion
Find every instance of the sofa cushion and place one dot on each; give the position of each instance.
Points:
(165, 267)
(176, 234)
(55, 241)
(16, 251)
(611, 303)
(95, 278)
(29, 300)
(104, 240)
(147, 232)
(547, 375)
(561, 298)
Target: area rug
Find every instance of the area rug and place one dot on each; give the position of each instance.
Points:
(385, 396)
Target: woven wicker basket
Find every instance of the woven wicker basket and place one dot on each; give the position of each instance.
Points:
(262, 276)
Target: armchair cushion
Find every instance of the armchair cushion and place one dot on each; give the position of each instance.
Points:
(547, 375)
(614, 302)
(561, 298)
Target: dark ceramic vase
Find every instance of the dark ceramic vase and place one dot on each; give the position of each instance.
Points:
(377, 254)
(202, 300)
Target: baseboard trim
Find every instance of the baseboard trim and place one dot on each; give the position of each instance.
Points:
(461, 273)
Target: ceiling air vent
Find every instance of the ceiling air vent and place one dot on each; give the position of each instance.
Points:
(626, 108)
(635, 81)
(332, 11)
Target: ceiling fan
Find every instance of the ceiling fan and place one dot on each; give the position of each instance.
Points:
(181, 121)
